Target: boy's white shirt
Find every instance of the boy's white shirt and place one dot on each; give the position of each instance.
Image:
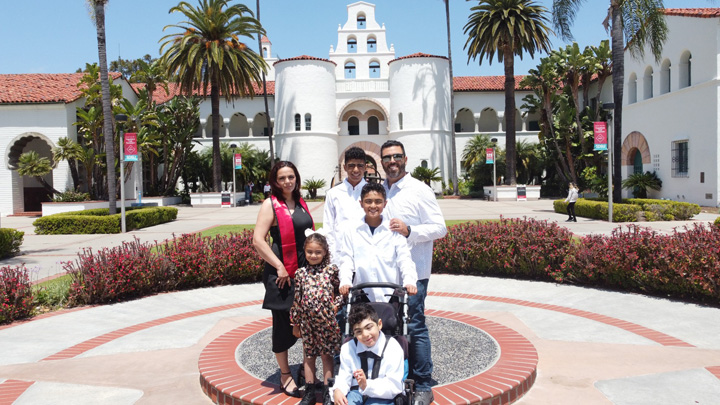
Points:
(392, 368)
(382, 256)
(342, 204)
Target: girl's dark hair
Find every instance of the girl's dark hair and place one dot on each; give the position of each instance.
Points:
(275, 187)
(322, 241)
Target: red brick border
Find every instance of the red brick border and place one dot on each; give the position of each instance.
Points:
(10, 390)
(226, 382)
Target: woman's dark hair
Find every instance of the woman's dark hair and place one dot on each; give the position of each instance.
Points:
(275, 187)
(377, 187)
(361, 312)
(322, 241)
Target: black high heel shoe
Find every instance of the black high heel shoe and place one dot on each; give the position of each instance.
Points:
(283, 387)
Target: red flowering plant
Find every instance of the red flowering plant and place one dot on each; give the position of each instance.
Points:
(16, 300)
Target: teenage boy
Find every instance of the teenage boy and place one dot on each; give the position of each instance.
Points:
(373, 253)
(358, 380)
(414, 213)
(342, 201)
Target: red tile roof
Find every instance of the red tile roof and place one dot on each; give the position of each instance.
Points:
(417, 55)
(42, 87)
(160, 96)
(304, 57)
(265, 39)
(693, 12)
(484, 83)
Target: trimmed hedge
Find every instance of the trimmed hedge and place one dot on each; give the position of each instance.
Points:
(665, 210)
(599, 210)
(99, 221)
(10, 241)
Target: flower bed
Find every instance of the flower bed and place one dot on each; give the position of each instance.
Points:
(16, 299)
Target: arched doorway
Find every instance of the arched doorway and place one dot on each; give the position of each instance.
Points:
(27, 189)
(635, 144)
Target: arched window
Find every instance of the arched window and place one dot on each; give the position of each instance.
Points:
(265, 52)
(665, 77)
(354, 126)
(352, 45)
(371, 44)
(373, 126)
(400, 120)
(648, 84)
(361, 22)
(308, 122)
(297, 122)
(424, 163)
(464, 121)
(632, 88)
(374, 69)
(350, 70)
(685, 70)
(488, 121)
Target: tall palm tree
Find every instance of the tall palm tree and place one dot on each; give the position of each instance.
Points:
(208, 52)
(508, 28)
(98, 9)
(453, 152)
(636, 24)
(265, 95)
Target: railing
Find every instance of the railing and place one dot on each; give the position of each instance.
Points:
(351, 86)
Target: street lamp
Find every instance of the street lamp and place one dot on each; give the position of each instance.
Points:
(121, 118)
(610, 107)
(494, 143)
(233, 146)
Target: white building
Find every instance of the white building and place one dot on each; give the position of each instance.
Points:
(363, 94)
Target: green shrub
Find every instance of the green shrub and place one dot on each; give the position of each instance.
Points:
(631, 209)
(10, 241)
(71, 196)
(666, 209)
(98, 220)
(16, 301)
(717, 221)
(599, 210)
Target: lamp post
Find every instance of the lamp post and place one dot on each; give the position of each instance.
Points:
(121, 118)
(494, 143)
(233, 146)
(610, 107)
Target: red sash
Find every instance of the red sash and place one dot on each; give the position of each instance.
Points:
(287, 233)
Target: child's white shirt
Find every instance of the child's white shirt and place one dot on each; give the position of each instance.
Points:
(388, 384)
(382, 256)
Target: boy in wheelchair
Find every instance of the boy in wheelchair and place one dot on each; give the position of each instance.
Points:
(371, 364)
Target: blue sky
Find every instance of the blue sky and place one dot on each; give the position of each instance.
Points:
(57, 36)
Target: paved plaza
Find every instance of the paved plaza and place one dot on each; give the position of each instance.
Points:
(559, 344)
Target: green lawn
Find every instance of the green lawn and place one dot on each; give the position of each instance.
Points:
(52, 294)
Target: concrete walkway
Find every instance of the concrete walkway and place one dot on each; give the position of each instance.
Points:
(592, 347)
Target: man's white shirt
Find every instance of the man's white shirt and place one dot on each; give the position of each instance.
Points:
(342, 203)
(382, 256)
(414, 203)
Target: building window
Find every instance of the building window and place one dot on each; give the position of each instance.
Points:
(354, 126)
(297, 122)
(374, 70)
(308, 122)
(400, 120)
(373, 126)
(424, 163)
(680, 159)
(371, 45)
(665, 77)
(648, 84)
(352, 45)
(361, 22)
(685, 70)
(632, 88)
(350, 70)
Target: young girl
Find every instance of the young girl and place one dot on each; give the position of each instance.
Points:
(317, 300)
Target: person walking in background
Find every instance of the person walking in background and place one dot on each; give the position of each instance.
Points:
(267, 189)
(415, 214)
(286, 217)
(571, 199)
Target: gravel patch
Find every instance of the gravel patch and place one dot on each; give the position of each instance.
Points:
(459, 351)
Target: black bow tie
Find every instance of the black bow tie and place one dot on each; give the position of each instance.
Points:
(368, 355)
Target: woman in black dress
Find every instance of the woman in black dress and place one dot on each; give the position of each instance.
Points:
(286, 217)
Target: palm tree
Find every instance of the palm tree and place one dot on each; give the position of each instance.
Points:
(636, 24)
(508, 28)
(641, 182)
(265, 95)
(71, 151)
(99, 18)
(154, 76)
(33, 165)
(426, 175)
(209, 52)
(453, 152)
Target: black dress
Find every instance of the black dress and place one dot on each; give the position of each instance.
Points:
(279, 300)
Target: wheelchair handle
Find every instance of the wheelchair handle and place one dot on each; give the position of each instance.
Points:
(377, 285)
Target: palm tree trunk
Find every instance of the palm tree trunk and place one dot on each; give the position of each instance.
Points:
(510, 158)
(74, 174)
(265, 97)
(453, 152)
(215, 102)
(107, 105)
(618, 78)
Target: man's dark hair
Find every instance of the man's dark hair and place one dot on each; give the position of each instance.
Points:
(390, 143)
(355, 153)
(372, 186)
(361, 312)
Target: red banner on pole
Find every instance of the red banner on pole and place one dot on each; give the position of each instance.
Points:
(489, 156)
(130, 147)
(238, 161)
(600, 135)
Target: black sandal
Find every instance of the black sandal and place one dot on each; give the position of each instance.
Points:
(294, 393)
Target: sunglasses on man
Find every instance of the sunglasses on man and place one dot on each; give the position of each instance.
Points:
(396, 157)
